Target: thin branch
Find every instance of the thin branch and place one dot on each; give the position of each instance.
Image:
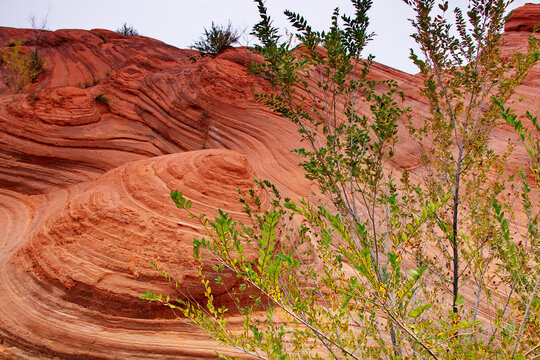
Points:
(525, 316)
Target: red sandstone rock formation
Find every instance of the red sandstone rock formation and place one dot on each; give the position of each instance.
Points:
(84, 185)
(525, 18)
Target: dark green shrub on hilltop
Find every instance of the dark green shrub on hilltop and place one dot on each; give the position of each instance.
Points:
(216, 39)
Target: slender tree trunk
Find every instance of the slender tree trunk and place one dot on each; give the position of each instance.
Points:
(455, 255)
(455, 260)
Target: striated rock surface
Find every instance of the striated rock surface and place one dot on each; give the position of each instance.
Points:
(84, 267)
(88, 156)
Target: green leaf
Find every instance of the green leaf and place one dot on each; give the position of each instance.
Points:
(414, 313)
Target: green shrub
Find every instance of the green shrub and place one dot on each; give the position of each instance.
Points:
(36, 63)
(127, 30)
(87, 83)
(19, 68)
(103, 100)
(216, 39)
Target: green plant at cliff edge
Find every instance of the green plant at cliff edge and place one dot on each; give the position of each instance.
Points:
(127, 30)
(216, 39)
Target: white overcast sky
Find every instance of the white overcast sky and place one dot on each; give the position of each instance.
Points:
(181, 22)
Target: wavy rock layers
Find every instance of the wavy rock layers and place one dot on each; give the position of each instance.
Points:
(102, 103)
(85, 176)
(58, 134)
(85, 267)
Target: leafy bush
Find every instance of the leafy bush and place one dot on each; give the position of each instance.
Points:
(127, 30)
(19, 68)
(103, 100)
(36, 63)
(216, 40)
(87, 83)
(382, 272)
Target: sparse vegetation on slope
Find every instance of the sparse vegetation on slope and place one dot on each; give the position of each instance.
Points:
(19, 67)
